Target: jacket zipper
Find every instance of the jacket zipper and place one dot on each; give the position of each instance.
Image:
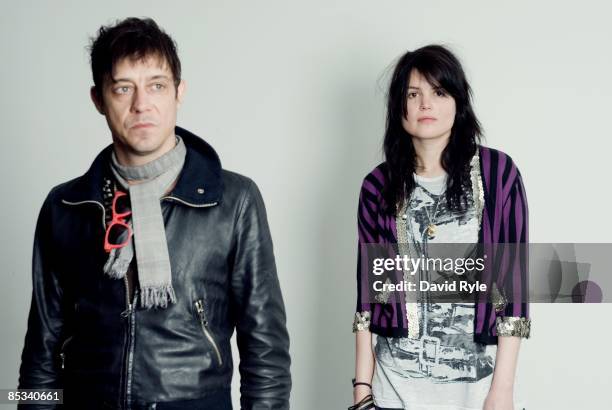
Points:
(130, 314)
(90, 202)
(127, 314)
(199, 305)
(173, 198)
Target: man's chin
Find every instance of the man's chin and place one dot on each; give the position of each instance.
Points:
(150, 132)
(153, 148)
(140, 144)
(146, 149)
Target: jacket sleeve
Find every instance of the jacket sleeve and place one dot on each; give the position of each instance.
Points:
(262, 337)
(513, 313)
(40, 358)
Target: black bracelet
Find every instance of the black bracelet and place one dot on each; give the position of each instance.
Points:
(356, 383)
(367, 403)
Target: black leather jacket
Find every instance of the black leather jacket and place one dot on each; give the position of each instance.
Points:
(87, 335)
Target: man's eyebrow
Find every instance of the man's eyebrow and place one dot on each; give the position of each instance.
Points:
(118, 80)
(128, 80)
(159, 77)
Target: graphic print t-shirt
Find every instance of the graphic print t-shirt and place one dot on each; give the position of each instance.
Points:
(445, 368)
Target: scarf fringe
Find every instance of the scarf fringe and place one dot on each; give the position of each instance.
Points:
(158, 296)
(115, 267)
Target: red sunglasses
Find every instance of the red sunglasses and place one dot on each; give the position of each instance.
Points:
(120, 210)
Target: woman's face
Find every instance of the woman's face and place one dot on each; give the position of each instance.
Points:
(430, 109)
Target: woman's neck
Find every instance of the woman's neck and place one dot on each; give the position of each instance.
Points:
(428, 156)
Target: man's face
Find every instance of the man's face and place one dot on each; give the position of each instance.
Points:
(140, 101)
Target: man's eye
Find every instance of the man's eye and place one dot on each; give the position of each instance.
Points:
(158, 86)
(122, 90)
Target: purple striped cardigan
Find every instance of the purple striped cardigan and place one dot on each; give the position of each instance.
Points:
(504, 221)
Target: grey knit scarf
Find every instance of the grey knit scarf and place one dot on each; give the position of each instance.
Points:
(149, 239)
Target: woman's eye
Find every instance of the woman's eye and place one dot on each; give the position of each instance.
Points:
(412, 95)
(440, 93)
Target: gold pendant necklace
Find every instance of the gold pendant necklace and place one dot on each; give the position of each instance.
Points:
(431, 230)
(431, 226)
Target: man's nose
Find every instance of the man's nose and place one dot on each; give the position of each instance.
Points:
(141, 100)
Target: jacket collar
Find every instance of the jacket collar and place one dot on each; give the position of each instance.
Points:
(199, 183)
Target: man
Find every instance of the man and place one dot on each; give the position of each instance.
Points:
(143, 266)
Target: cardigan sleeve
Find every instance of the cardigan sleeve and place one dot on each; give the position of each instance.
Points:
(513, 312)
(366, 229)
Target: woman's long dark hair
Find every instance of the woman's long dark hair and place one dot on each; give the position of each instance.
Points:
(441, 68)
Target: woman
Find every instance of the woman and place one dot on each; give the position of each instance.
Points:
(439, 185)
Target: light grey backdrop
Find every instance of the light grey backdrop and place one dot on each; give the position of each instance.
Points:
(293, 96)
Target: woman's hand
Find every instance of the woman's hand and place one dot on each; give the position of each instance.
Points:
(499, 399)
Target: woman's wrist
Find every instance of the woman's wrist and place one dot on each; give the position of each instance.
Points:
(499, 399)
(502, 382)
(359, 392)
(502, 388)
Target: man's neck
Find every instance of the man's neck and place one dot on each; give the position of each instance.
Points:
(129, 158)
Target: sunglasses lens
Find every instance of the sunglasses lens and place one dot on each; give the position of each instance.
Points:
(122, 204)
(118, 235)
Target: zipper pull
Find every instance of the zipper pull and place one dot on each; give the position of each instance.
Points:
(127, 311)
(130, 307)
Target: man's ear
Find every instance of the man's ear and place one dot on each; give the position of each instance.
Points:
(180, 91)
(97, 99)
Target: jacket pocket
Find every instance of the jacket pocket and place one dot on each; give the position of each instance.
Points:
(199, 306)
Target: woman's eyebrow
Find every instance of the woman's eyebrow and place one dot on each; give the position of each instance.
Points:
(435, 87)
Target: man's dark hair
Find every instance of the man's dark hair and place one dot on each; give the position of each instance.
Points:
(133, 38)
